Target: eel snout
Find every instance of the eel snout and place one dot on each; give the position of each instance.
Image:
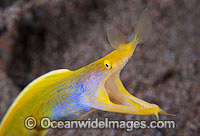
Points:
(119, 95)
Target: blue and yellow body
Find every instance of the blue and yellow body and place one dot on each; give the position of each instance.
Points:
(72, 94)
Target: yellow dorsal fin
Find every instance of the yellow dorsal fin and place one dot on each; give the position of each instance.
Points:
(49, 78)
(41, 83)
(38, 88)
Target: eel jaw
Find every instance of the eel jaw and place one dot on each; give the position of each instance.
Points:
(119, 95)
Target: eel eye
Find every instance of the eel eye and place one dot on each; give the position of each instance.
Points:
(107, 64)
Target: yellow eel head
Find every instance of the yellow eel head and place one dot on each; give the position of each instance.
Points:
(111, 95)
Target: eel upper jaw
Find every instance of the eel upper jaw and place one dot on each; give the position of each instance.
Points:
(119, 95)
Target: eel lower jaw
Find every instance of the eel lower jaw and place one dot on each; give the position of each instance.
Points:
(119, 95)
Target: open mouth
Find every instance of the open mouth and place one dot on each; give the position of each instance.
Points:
(120, 96)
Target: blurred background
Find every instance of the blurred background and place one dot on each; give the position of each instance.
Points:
(39, 36)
